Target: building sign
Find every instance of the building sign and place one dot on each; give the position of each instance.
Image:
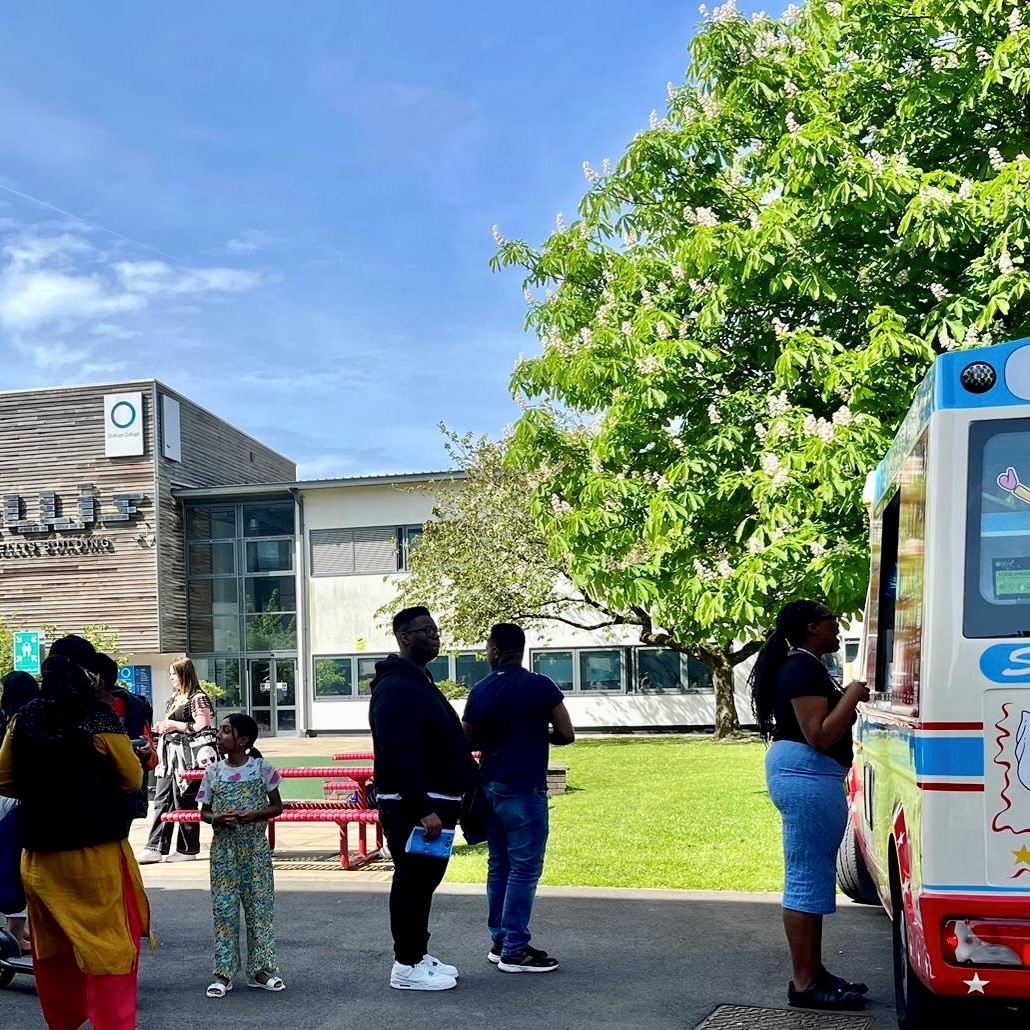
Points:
(137, 679)
(26, 652)
(123, 425)
(49, 548)
(53, 520)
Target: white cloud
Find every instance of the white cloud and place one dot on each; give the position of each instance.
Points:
(250, 241)
(59, 279)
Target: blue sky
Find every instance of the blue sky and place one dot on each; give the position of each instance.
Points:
(284, 211)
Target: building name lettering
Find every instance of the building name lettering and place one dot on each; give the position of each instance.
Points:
(52, 520)
(46, 548)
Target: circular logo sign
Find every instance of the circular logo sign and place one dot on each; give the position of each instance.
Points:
(123, 414)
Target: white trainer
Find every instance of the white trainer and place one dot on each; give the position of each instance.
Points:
(420, 977)
(179, 856)
(441, 967)
(148, 857)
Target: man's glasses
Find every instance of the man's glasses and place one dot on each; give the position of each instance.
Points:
(429, 631)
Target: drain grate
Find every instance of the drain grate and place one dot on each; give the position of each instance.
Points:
(746, 1017)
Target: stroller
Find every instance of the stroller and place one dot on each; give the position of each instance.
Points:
(12, 961)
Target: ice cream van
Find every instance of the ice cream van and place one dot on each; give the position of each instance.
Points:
(940, 788)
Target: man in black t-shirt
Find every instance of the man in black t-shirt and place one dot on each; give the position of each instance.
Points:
(512, 716)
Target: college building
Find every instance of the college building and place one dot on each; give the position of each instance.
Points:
(131, 506)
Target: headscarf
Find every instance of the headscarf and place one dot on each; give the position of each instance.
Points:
(19, 688)
(69, 704)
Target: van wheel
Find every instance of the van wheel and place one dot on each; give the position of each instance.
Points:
(852, 875)
(918, 1008)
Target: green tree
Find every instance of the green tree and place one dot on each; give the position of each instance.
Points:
(735, 322)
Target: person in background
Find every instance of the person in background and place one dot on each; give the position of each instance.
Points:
(808, 718)
(189, 710)
(511, 716)
(136, 716)
(423, 767)
(70, 763)
(237, 797)
(18, 689)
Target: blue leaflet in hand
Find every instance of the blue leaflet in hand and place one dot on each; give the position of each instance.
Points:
(438, 848)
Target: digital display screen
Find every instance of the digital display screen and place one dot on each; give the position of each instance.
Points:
(1012, 579)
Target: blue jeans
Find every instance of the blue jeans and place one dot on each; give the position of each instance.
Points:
(516, 831)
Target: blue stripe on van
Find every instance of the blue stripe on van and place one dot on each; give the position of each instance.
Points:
(948, 756)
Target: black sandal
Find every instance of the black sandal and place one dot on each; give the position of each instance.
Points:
(825, 979)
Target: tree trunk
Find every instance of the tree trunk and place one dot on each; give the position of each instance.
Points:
(726, 722)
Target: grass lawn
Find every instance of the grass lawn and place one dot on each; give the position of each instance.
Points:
(646, 812)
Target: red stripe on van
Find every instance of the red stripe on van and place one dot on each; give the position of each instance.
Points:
(949, 725)
(924, 785)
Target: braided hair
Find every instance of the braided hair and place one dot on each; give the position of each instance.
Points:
(791, 631)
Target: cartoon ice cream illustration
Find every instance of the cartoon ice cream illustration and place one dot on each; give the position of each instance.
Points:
(1023, 749)
(1009, 482)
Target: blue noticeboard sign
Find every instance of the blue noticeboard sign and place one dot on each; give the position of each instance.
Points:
(137, 679)
(26, 652)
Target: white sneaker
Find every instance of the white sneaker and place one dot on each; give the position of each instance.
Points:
(441, 967)
(181, 857)
(148, 857)
(420, 977)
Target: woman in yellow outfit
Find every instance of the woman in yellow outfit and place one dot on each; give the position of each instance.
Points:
(71, 764)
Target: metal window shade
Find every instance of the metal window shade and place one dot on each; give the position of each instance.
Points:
(375, 550)
(332, 552)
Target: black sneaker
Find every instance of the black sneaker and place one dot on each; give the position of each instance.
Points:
(532, 960)
(816, 997)
(493, 956)
(829, 982)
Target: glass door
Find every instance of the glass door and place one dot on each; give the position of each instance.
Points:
(274, 710)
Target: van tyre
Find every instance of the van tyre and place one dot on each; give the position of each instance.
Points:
(852, 875)
(918, 1008)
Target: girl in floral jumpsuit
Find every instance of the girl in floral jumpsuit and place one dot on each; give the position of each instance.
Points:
(237, 797)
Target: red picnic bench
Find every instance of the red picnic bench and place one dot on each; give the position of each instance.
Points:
(343, 813)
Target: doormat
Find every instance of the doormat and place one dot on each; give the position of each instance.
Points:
(745, 1017)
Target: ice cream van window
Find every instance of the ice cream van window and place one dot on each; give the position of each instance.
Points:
(997, 590)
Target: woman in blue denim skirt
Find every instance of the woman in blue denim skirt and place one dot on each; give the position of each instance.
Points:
(808, 718)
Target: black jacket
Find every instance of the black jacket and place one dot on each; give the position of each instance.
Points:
(420, 746)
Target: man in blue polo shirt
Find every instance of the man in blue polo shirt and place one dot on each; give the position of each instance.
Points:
(511, 717)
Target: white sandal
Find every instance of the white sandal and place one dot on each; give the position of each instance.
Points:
(218, 989)
(273, 983)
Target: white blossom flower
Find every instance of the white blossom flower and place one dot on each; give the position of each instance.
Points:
(629, 239)
(760, 431)
(790, 15)
(706, 216)
(878, 161)
(945, 339)
(790, 88)
(648, 364)
(662, 288)
(779, 403)
(753, 219)
(703, 10)
(677, 272)
(586, 336)
(606, 167)
(770, 464)
(653, 121)
(1015, 21)
(754, 545)
(759, 17)
(724, 568)
(791, 122)
(1005, 263)
(937, 62)
(589, 174)
(965, 190)
(726, 11)
(843, 416)
(559, 222)
(662, 331)
(983, 57)
(834, 9)
(646, 299)
(780, 328)
(710, 107)
(817, 549)
(997, 161)
(498, 236)
(714, 415)
(940, 292)
(780, 480)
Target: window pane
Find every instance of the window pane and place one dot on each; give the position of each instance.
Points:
(366, 673)
(699, 676)
(212, 559)
(332, 677)
(269, 555)
(555, 664)
(600, 670)
(658, 669)
(224, 673)
(213, 597)
(210, 523)
(268, 520)
(286, 719)
(222, 633)
(409, 537)
(470, 668)
(271, 594)
(271, 632)
(440, 667)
